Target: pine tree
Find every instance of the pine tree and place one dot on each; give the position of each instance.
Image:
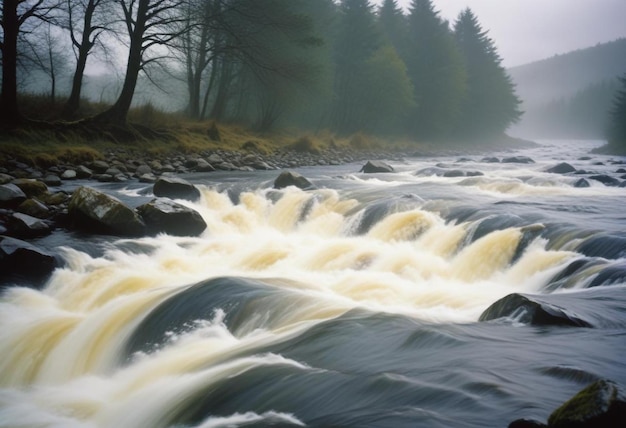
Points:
(490, 104)
(393, 25)
(617, 128)
(356, 41)
(436, 69)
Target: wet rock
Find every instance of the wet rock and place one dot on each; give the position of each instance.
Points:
(24, 226)
(203, 166)
(31, 187)
(562, 168)
(607, 180)
(614, 274)
(430, 171)
(142, 169)
(97, 212)
(490, 160)
(6, 178)
(376, 167)
(165, 216)
(11, 196)
(52, 180)
(99, 167)
(83, 172)
(604, 245)
(581, 183)
(69, 174)
(291, 178)
(19, 259)
(518, 159)
(454, 173)
(56, 198)
(531, 310)
(600, 404)
(175, 188)
(148, 178)
(526, 423)
(34, 208)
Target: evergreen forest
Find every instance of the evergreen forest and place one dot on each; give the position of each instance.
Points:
(346, 66)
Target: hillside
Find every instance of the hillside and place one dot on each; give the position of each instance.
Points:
(561, 76)
(569, 95)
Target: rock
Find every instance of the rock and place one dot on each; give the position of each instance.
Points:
(103, 178)
(454, 173)
(99, 166)
(607, 180)
(526, 423)
(5, 178)
(518, 159)
(562, 168)
(175, 188)
(598, 405)
(430, 171)
(490, 160)
(148, 178)
(69, 174)
(165, 216)
(83, 172)
(34, 208)
(376, 167)
(203, 166)
(23, 260)
(581, 182)
(215, 158)
(531, 310)
(56, 198)
(97, 212)
(11, 196)
(24, 226)
(291, 178)
(142, 170)
(52, 180)
(32, 188)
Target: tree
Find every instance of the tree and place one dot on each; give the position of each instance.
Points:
(436, 69)
(393, 25)
(357, 40)
(149, 24)
(490, 104)
(15, 14)
(86, 22)
(617, 128)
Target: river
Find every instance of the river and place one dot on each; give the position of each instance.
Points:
(353, 305)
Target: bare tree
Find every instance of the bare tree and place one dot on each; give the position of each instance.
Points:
(86, 22)
(15, 13)
(150, 24)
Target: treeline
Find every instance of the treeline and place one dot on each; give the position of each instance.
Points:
(345, 66)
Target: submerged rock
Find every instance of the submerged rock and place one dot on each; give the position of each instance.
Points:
(291, 178)
(165, 216)
(607, 180)
(375, 167)
(175, 188)
(97, 212)
(531, 310)
(562, 168)
(600, 404)
(518, 159)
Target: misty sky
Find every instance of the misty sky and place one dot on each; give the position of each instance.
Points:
(528, 30)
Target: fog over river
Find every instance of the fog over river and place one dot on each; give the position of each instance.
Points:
(357, 304)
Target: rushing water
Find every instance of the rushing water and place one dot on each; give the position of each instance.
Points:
(354, 305)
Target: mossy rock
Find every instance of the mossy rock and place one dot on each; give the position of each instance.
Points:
(598, 405)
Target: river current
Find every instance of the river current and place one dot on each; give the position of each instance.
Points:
(353, 305)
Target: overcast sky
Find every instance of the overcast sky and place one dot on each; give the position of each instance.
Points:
(528, 30)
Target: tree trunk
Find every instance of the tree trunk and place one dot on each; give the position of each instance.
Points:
(119, 111)
(9, 113)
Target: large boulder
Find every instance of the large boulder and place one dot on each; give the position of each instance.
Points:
(19, 259)
(97, 212)
(11, 196)
(165, 216)
(291, 178)
(531, 310)
(376, 167)
(175, 188)
(598, 405)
